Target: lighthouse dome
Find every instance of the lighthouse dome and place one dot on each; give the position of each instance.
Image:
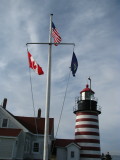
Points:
(87, 89)
(87, 93)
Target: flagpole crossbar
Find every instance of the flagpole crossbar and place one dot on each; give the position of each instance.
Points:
(52, 33)
(54, 43)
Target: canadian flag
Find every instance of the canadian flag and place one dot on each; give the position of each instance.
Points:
(33, 64)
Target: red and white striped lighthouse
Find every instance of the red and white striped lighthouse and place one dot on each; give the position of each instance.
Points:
(87, 125)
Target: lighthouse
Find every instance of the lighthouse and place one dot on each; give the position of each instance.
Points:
(87, 124)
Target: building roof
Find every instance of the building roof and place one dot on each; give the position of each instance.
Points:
(64, 142)
(30, 124)
(87, 89)
(9, 132)
(75, 144)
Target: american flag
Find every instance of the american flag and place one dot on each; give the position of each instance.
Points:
(55, 35)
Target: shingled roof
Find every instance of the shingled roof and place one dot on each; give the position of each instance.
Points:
(9, 132)
(29, 123)
(64, 142)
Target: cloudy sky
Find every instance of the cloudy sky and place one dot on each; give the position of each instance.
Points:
(94, 27)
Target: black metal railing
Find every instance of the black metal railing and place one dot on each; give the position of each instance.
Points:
(76, 108)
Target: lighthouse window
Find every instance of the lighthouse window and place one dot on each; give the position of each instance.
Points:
(87, 95)
(83, 96)
(72, 154)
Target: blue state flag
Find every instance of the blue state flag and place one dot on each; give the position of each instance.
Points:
(74, 64)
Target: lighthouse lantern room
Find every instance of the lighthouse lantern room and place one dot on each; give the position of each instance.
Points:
(87, 125)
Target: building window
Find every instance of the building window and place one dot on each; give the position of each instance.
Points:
(27, 146)
(35, 147)
(72, 154)
(5, 123)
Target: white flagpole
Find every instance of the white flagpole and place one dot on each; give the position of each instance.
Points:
(48, 88)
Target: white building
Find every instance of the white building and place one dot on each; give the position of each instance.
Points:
(19, 137)
(66, 149)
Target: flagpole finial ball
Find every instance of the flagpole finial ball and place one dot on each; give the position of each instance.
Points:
(51, 14)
